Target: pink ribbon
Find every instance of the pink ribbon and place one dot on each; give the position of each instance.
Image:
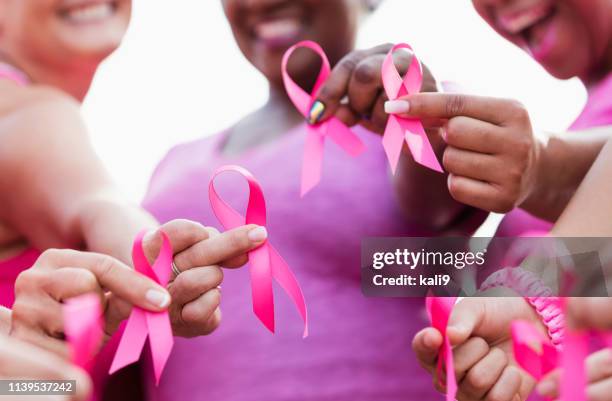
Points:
(533, 351)
(333, 128)
(143, 324)
(265, 261)
(83, 328)
(401, 129)
(439, 311)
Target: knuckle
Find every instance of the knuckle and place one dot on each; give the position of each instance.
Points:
(216, 275)
(455, 104)
(239, 240)
(29, 280)
(366, 72)
(105, 267)
(477, 378)
(519, 111)
(495, 396)
(49, 255)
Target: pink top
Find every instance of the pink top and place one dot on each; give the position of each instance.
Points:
(10, 268)
(597, 112)
(358, 347)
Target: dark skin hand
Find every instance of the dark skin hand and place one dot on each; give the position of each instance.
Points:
(355, 75)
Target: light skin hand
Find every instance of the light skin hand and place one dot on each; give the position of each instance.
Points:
(199, 253)
(37, 315)
(19, 361)
(479, 331)
(599, 378)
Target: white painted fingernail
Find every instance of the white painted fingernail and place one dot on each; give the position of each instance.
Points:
(396, 106)
(258, 234)
(158, 298)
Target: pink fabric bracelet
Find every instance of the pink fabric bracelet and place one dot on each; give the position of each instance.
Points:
(524, 282)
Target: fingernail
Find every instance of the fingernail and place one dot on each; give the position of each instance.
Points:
(158, 298)
(316, 112)
(546, 387)
(258, 234)
(396, 106)
(443, 134)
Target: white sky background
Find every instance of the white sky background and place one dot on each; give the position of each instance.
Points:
(179, 76)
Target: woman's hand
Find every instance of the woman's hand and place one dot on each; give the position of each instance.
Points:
(57, 275)
(479, 331)
(354, 90)
(598, 374)
(491, 154)
(199, 253)
(22, 361)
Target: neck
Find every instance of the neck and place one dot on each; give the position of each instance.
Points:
(281, 104)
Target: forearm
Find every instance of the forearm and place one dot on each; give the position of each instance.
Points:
(109, 224)
(589, 213)
(562, 165)
(424, 198)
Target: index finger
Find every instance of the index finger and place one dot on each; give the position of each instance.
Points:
(112, 275)
(449, 105)
(336, 87)
(228, 248)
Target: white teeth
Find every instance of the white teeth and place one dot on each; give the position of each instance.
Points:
(518, 22)
(90, 13)
(277, 28)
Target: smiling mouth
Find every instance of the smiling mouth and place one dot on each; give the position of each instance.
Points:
(524, 23)
(88, 12)
(278, 32)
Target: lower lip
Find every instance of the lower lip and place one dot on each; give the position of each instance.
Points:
(543, 39)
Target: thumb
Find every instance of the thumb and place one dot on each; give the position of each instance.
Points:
(464, 320)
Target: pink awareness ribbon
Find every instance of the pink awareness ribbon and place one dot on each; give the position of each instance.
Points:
(533, 351)
(265, 261)
(439, 310)
(83, 328)
(401, 129)
(333, 128)
(143, 324)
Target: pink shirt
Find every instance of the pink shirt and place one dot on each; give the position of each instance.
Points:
(597, 112)
(359, 348)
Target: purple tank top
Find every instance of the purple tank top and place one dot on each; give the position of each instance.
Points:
(597, 112)
(359, 348)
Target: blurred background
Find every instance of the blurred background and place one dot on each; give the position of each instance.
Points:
(179, 76)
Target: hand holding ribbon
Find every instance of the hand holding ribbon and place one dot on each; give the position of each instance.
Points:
(332, 127)
(439, 311)
(265, 261)
(83, 328)
(400, 129)
(143, 324)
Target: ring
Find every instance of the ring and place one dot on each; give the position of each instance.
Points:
(175, 269)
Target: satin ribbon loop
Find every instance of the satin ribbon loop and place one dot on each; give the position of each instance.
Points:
(143, 324)
(333, 128)
(265, 261)
(439, 310)
(83, 329)
(532, 350)
(400, 129)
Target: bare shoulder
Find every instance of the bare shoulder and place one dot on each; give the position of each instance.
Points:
(37, 111)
